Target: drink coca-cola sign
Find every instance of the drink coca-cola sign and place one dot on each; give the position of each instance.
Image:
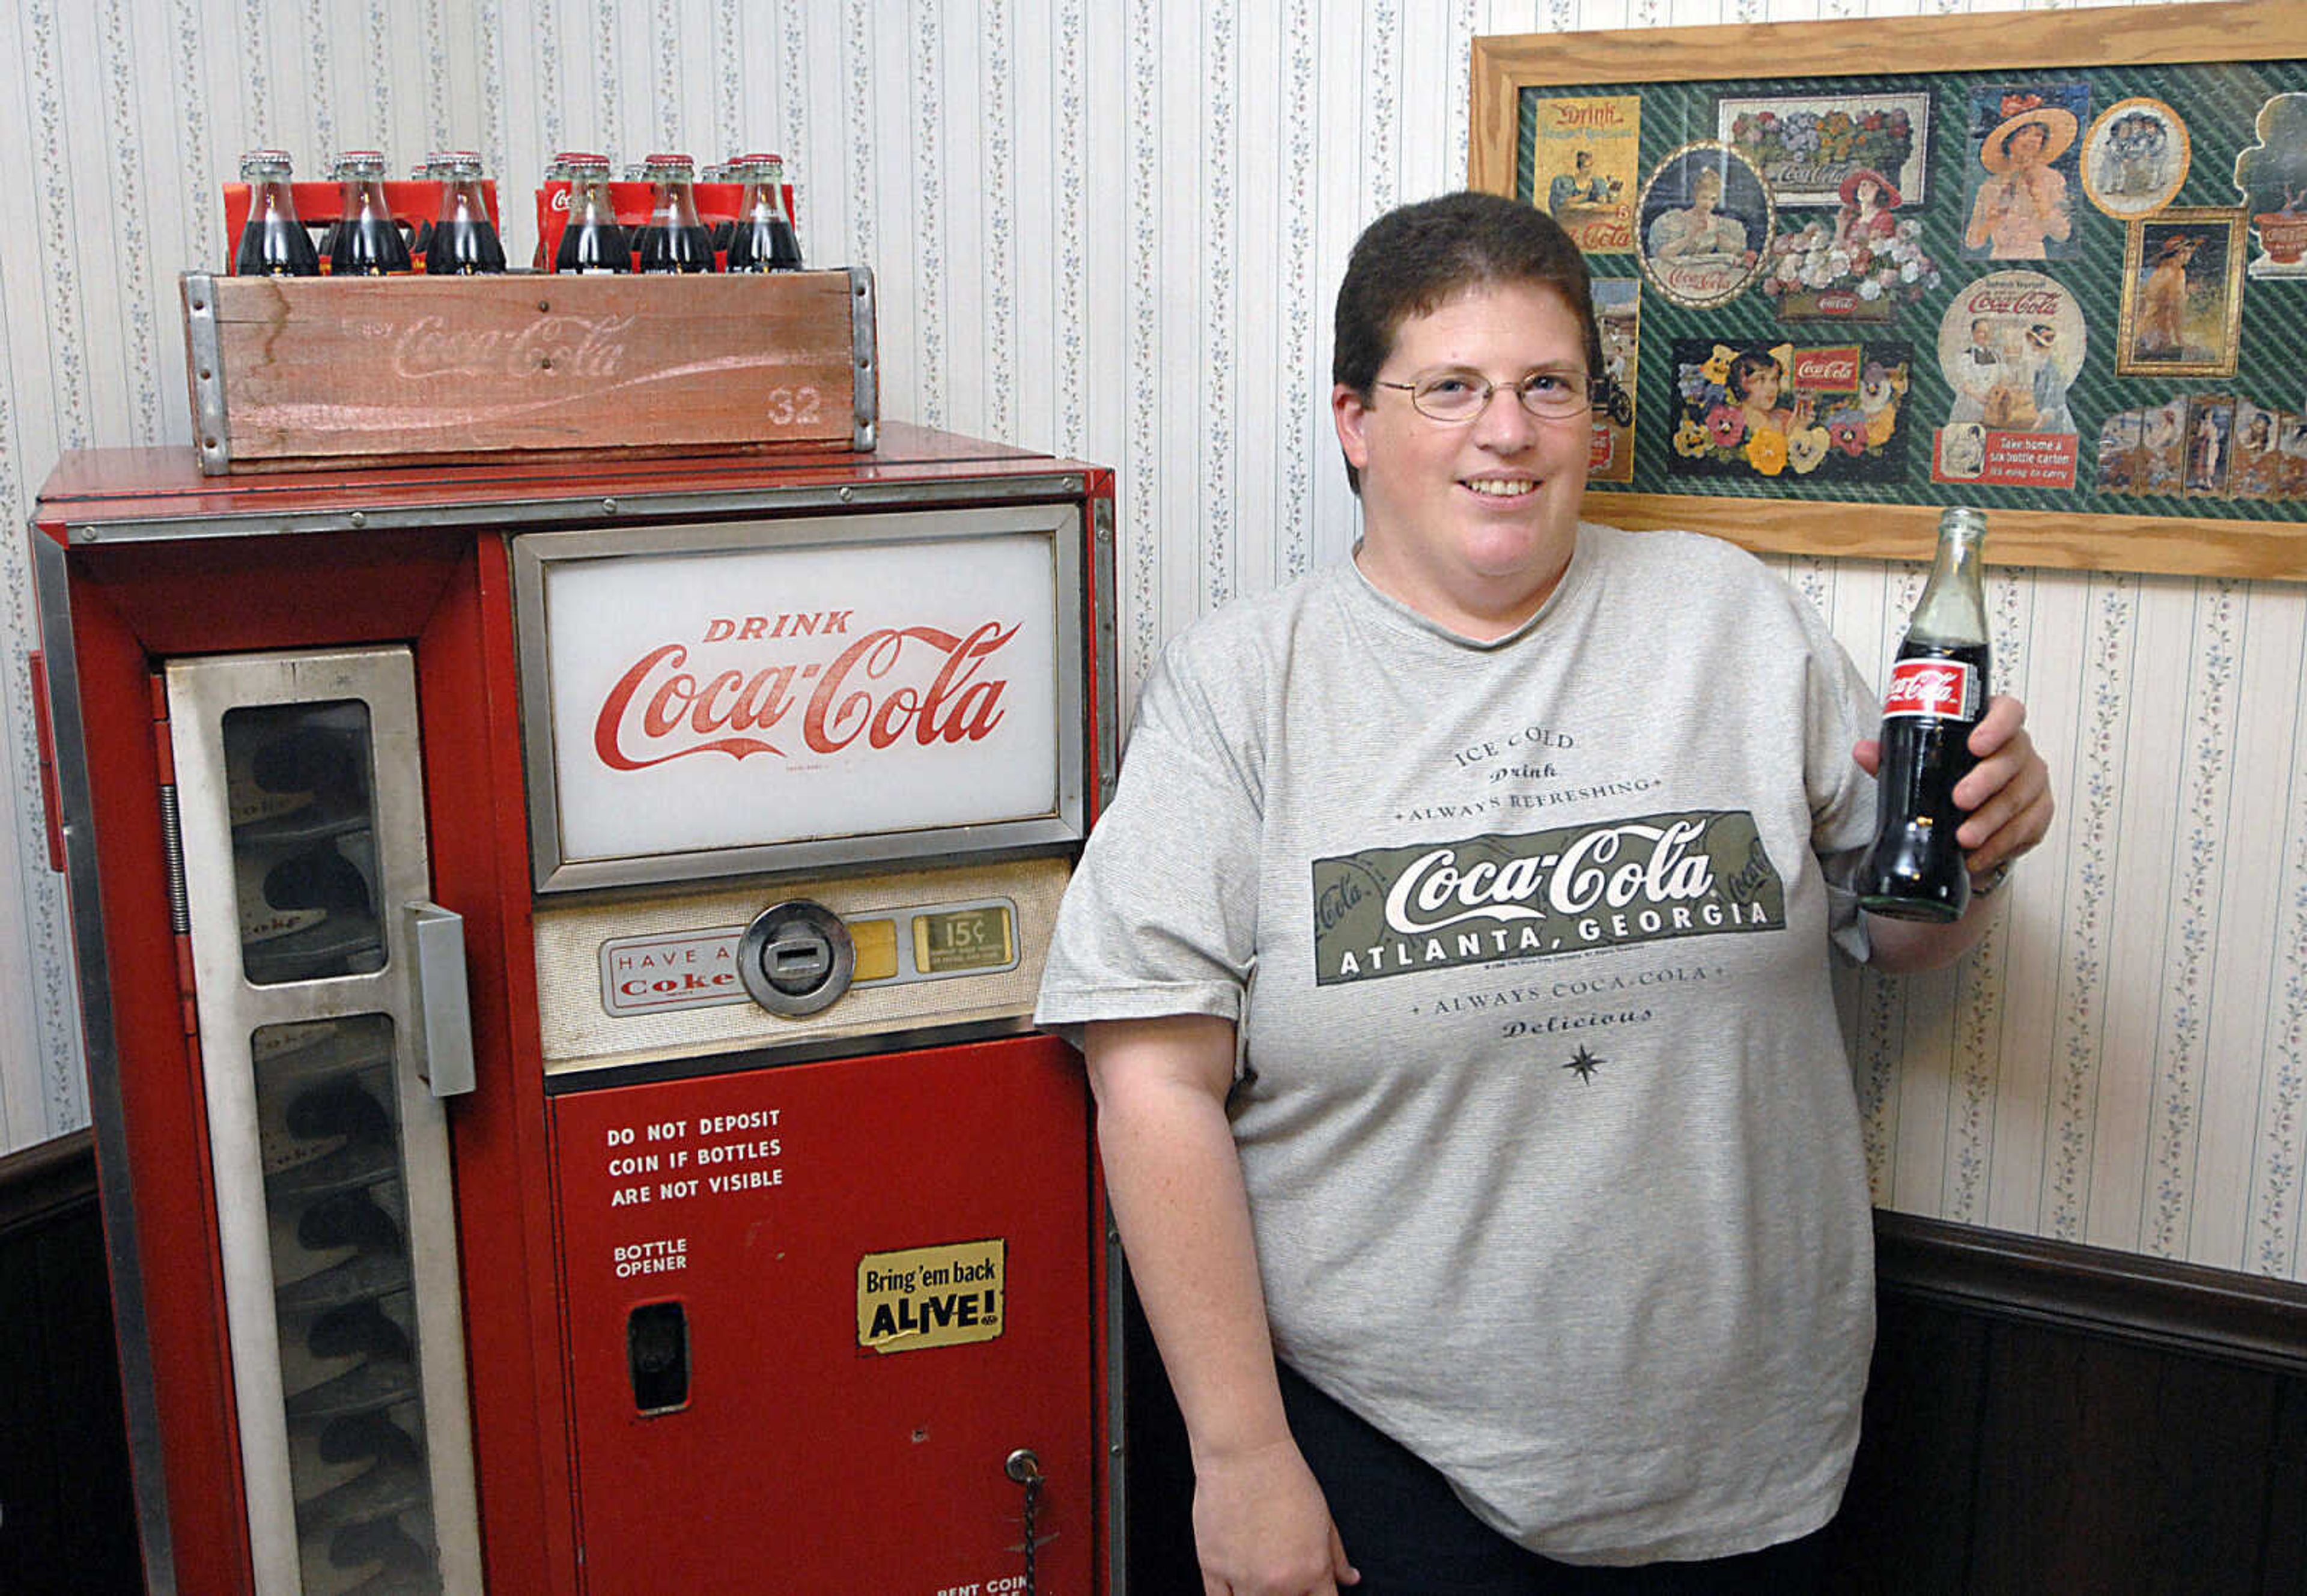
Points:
(661, 709)
(734, 697)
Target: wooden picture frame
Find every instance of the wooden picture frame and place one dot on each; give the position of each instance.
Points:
(2200, 536)
(2170, 242)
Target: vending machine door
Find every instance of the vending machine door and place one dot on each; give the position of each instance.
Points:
(830, 1327)
(330, 1007)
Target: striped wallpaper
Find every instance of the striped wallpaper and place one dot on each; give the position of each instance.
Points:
(1111, 229)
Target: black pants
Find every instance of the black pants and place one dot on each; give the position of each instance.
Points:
(1408, 1533)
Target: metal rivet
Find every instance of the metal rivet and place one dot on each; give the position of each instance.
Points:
(608, 507)
(847, 494)
(543, 305)
(358, 518)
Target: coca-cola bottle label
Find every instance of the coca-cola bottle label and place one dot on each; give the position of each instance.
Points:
(1933, 690)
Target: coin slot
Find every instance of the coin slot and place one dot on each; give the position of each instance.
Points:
(796, 958)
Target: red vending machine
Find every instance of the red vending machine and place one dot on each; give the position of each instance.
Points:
(557, 947)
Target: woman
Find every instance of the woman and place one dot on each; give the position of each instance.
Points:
(1865, 218)
(2024, 202)
(1699, 230)
(2163, 301)
(1756, 380)
(1452, 971)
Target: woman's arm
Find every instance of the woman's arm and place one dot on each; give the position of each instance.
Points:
(1261, 1527)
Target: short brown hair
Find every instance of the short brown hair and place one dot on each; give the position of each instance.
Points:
(1415, 259)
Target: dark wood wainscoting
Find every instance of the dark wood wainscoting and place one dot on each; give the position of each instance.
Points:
(2064, 1420)
(67, 1520)
(2044, 1419)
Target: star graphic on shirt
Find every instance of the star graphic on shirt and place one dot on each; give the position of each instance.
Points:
(1582, 1064)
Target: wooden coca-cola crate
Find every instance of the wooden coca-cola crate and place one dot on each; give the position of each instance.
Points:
(295, 373)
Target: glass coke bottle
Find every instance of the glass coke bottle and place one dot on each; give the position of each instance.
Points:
(369, 242)
(672, 239)
(1936, 697)
(763, 239)
(424, 171)
(273, 241)
(592, 241)
(465, 242)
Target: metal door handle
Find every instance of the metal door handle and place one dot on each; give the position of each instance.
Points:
(444, 1009)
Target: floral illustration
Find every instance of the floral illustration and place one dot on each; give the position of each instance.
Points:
(1819, 270)
(1833, 138)
(1831, 412)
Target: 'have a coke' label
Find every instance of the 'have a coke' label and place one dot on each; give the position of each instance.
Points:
(1933, 690)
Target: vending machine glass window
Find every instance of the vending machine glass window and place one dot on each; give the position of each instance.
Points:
(299, 844)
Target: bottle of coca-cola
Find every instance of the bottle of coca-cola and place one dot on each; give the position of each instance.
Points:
(763, 239)
(424, 171)
(714, 206)
(672, 239)
(551, 202)
(273, 241)
(591, 241)
(465, 241)
(1936, 696)
(369, 243)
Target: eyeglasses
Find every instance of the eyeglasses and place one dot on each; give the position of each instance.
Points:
(1461, 396)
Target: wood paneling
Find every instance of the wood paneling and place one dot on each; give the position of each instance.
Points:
(1902, 1527)
(67, 1523)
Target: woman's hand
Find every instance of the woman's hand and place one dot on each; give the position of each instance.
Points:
(2006, 804)
(2006, 798)
(1262, 1528)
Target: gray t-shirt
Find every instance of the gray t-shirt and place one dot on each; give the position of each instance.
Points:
(1550, 1144)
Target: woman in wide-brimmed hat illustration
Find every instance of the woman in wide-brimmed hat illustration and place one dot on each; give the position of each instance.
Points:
(2024, 202)
(1868, 199)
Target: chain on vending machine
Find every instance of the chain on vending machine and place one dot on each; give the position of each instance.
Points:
(558, 949)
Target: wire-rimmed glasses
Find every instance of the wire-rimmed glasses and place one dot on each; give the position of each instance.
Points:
(1454, 396)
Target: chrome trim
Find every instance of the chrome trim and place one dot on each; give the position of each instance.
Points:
(532, 552)
(444, 1006)
(865, 348)
(1103, 556)
(201, 691)
(675, 505)
(1117, 1395)
(204, 368)
(148, 1475)
(738, 1059)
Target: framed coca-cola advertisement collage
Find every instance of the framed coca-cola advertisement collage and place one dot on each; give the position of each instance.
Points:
(2066, 282)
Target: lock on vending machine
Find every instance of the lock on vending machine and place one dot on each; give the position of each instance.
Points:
(803, 795)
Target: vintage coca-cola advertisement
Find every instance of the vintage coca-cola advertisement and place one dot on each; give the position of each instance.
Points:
(728, 697)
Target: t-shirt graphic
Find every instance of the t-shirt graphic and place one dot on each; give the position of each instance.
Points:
(1429, 905)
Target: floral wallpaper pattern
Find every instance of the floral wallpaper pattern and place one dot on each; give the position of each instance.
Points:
(1112, 231)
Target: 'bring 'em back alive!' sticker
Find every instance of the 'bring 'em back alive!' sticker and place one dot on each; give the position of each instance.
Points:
(930, 1296)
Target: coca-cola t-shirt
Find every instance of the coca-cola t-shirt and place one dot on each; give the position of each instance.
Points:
(1549, 1138)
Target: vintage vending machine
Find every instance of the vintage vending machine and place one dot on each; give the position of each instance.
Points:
(557, 947)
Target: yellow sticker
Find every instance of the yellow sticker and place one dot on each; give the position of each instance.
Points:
(926, 1297)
